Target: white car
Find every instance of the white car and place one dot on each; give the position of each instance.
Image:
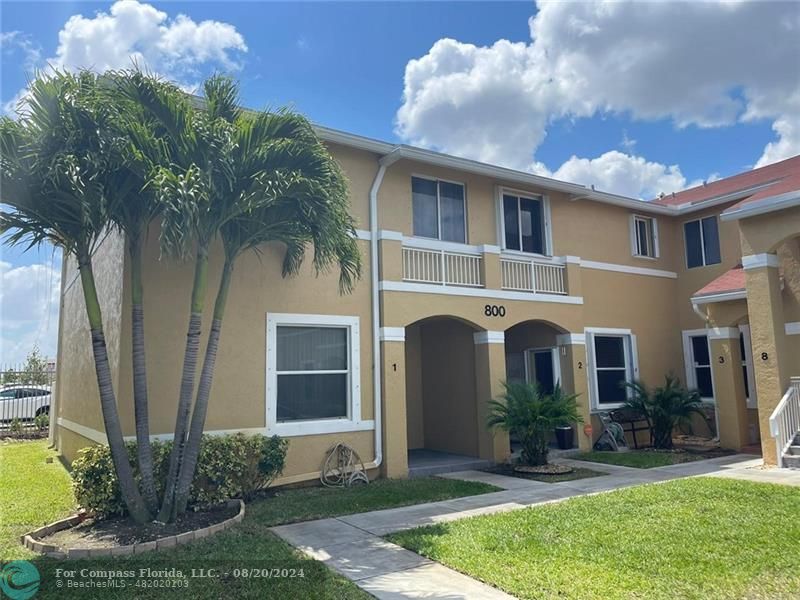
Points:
(24, 402)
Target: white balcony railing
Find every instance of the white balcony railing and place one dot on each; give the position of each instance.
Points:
(784, 423)
(534, 276)
(442, 267)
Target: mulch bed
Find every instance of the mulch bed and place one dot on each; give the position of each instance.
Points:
(554, 477)
(110, 533)
(689, 453)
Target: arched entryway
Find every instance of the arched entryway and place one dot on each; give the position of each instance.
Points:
(441, 399)
(532, 353)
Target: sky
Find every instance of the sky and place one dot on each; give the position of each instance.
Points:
(636, 98)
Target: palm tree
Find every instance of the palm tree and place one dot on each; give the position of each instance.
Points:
(524, 411)
(293, 193)
(248, 179)
(59, 174)
(664, 408)
(141, 150)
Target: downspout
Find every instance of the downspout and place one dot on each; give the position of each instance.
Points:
(383, 163)
(701, 314)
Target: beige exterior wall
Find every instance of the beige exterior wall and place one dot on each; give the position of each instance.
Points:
(78, 398)
(654, 308)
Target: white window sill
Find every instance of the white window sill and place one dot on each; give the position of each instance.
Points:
(300, 428)
(605, 408)
(643, 257)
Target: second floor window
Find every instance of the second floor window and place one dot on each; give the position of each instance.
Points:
(523, 224)
(439, 210)
(645, 237)
(702, 242)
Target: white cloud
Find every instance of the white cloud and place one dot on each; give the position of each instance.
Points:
(621, 173)
(706, 64)
(178, 48)
(29, 302)
(17, 41)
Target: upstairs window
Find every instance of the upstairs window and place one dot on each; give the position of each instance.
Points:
(702, 242)
(524, 224)
(439, 210)
(644, 237)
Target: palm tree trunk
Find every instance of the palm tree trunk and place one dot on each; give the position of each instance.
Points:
(108, 402)
(203, 394)
(144, 453)
(167, 512)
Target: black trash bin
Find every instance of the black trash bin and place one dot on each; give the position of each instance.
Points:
(565, 436)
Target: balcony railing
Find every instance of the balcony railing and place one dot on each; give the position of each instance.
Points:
(442, 267)
(535, 276)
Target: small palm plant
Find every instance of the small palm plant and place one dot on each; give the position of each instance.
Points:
(528, 414)
(664, 408)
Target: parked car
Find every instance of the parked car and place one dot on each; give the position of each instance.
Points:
(23, 402)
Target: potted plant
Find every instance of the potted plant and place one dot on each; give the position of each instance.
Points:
(525, 412)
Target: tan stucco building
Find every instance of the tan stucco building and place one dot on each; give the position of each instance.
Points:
(474, 274)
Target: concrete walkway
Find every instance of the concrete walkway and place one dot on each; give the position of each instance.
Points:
(353, 544)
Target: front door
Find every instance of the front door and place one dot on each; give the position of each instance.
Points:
(542, 367)
(698, 359)
(747, 366)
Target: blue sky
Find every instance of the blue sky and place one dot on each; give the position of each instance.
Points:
(628, 98)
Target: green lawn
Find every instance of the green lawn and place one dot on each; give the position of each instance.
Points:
(701, 538)
(33, 493)
(305, 504)
(641, 459)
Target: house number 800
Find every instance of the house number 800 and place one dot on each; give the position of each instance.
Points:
(493, 310)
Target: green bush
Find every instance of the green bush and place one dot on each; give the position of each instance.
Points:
(229, 466)
(42, 421)
(16, 426)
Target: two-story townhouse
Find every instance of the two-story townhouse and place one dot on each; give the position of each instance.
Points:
(474, 274)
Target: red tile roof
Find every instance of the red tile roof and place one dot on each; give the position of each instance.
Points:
(771, 175)
(732, 281)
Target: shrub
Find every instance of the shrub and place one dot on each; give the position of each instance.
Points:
(664, 408)
(42, 421)
(228, 466)
(530, 415)
(16, 426)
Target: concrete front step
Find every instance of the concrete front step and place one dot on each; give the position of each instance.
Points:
(429, 470)
(791, 461)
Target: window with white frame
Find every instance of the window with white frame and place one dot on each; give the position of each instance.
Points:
(312, 372)
(524, 223)
(439, 209)
(614, 363)
(702, 242)
(644, 236)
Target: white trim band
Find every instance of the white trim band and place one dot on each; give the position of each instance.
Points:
(604, 266)
(793, 328)
(393, 334)
(98, 436)
(429, 288)
(489, 337)
(723, 333)
(388, 234)
(363, 234)
(571, 339)
(757, 261)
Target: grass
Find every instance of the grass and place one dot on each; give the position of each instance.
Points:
(290, 506)
(701, 538)
(34, 492)
(641, 459)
